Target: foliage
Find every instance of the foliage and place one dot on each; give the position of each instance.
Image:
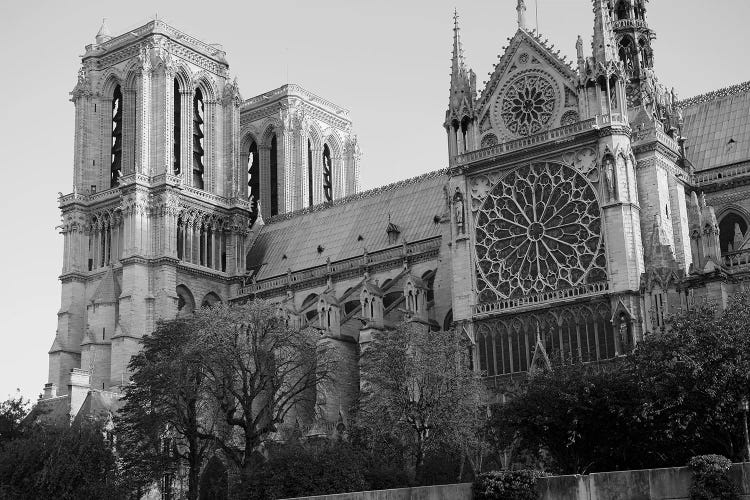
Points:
(417, 387)
(166, 400)
(710, 479)
(507, 485)
(305, 470)
(12, 413)
(674, 397)
(586, 420)
(47, 462)
(257, 369)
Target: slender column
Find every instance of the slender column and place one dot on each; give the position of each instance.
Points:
(265, 178)
(317, 176)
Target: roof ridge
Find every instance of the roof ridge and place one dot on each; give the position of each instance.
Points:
(739, 88)
(358, 196)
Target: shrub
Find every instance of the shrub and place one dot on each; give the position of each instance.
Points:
(711, 479)
(507, 485)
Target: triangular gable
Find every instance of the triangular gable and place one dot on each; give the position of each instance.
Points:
(540, 362)
(528, 55)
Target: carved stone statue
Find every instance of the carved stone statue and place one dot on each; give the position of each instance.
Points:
(609, 176)
(458, 206)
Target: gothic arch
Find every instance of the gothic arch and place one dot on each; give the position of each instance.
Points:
(728, 218)
(205, 82)
(183, 76)
(334, 143)
(211, 299)
(111, 79)
(132, 72)
(315, 135)
(185, 301)
(248, 135)
(270, 130)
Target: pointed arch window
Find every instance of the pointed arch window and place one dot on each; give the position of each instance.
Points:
(327, 175)
(274, 176)
(177, 128)
(309, 174)
(116, 150)
(253, 173)
(465, 134)
(623, 10)
(199, 110)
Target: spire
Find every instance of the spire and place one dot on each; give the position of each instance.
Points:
(603, 45)
(104, 34)
(521, 14)
(458, 67)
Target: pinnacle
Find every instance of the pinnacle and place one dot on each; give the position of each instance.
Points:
(104, 34)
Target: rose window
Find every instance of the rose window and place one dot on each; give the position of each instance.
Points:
(528, 104)
(539, 229)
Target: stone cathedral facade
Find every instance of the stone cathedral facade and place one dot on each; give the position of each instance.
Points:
(581, 203)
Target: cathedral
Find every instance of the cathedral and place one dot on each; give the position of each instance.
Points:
(581, 203)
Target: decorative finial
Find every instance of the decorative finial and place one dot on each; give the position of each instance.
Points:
(104, 34)
(521, 14)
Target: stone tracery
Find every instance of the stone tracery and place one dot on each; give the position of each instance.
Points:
(526, 107)
(539, 229)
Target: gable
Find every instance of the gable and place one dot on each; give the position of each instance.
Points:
(532, 90)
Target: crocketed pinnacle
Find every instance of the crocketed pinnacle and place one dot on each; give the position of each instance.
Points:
(603, 45)
(458, 66)
(104, 34)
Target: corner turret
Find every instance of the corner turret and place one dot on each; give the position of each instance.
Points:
(460, 119)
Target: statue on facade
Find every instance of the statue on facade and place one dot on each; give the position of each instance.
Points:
(609, 176)
(458, 206)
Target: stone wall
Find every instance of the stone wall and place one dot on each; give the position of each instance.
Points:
(653, 484)
(443, 492)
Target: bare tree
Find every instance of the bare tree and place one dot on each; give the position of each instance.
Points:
(418, 386)
(259, 370)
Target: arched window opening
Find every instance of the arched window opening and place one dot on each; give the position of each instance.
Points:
(116, 150)
(202, 246)
(274, 176)
(448, 321)
(210, 300)
(351, 306)
(622, 10)
(199, 110)
(429, 280)
(455, 127)
(732, 231)
(327, 180)
(185, 301)
(465, 134)
(180, 238)
(626, 52)
(309, 174)
(645, 51)
(253, 174)
(176, 139)
(640, 11)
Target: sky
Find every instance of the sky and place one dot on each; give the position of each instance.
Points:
(386, 61)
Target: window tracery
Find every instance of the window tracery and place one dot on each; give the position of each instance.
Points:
(528, 103)
(579, 333)
(539, 229)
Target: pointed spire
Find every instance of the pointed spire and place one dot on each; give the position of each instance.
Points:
(603, 45)
(104, 34)
(458, 66)
(521, 9)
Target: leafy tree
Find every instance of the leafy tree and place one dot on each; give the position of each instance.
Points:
(694, 374)
(257, 369)
(48, 462)
(584, 418)
(418, 387)
(166, 415)
(12, 412)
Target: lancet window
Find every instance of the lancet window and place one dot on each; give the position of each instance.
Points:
(199, 113)
(623, 10)
(582, 333)
(116, 149)
(309, 174)
(201, 241)
(176, 139)
(327, 174)
(274, 176)
(253, 173)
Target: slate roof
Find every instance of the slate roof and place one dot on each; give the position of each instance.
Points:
(352, 224)
(99, 404)
(108, 291)
(54, 411)
(717, 127)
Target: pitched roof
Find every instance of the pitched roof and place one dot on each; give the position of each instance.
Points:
(309, 238)
(99, 404)
(717, 127)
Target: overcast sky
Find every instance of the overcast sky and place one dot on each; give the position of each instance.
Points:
(387, 61)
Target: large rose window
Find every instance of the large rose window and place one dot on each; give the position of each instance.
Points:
(539, 229)
(527, 105)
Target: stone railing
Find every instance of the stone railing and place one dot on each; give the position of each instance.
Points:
(173, 180)
(532, 140)
(630, 23)
(722, 173)
(613, 119)
(325, 270)
(737, 261)
(292, 89)
(526, 301)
